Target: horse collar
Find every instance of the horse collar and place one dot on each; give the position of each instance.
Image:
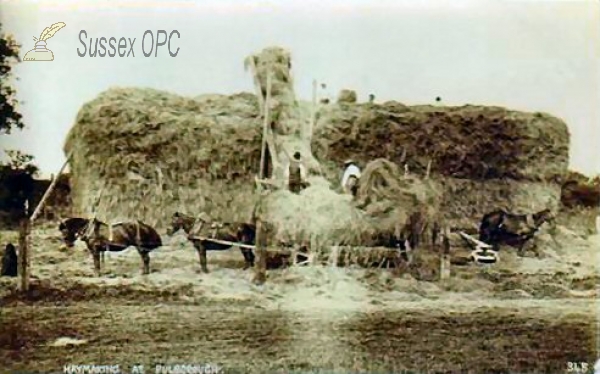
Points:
(531, 221)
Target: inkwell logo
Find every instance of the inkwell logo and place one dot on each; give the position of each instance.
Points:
(40, 52)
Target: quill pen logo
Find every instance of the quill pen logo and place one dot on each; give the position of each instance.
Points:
(40, 52)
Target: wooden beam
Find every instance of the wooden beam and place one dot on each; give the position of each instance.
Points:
(477, 242)
(49, 190)
(256, 80)
(263, 149)
(23, 256)
(225, 242)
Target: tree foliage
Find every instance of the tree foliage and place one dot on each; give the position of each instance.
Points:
(9, 55)
(16, 182)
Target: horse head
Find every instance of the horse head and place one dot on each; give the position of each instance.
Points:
(544, 216)
(72, 229)
(180, 221)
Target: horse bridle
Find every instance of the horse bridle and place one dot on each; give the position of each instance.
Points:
(85, 231)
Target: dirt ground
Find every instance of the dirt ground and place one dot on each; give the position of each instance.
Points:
(521, 315)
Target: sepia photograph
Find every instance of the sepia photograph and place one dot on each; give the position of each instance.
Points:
(377, 186)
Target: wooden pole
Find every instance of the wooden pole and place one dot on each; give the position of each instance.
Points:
(25, 229)
(478, 243)
(226, 242)
(263, 149)
(445, 255)
(38, 209)
(23, 256)
(254, 71)
(261, 268)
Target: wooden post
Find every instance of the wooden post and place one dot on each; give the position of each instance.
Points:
(261, 268)
(38, 209)
(445, 255)
(23, 256)
(260, 275)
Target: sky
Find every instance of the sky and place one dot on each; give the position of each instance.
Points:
(524, 55)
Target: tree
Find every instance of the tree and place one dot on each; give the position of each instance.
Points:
(16, 175)
(9, 55)
(20, 161)
(16, 182)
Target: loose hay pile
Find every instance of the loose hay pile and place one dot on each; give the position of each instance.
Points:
(389, 197)
(153, 152)
(317, 214)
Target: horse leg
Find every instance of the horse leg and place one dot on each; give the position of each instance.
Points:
(435, 230)
(102, 257)
(521, 250)
(96, 256)
(202, 256)
(248, 258)
(145, 255)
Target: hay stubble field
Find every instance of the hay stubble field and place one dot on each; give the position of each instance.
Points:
(520, 315)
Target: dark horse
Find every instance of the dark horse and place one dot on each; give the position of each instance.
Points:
(101, 237)
(238, 232)
(499, 227)
(70, 229)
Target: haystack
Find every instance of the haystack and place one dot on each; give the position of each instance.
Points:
(472, 142)
(483, 157)
(152, 153)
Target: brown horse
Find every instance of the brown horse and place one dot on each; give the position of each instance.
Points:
(238, 232)
(101, 237)
(500, 227)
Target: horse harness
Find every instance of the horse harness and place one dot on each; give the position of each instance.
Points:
(89, 230)
(531, 225)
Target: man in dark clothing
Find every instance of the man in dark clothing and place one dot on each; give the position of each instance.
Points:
(9, 261)
(296, 174)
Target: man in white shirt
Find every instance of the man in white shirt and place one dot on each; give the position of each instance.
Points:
(351, 177)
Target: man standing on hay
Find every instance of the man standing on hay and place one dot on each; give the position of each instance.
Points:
(351, 177)
(295, 174)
